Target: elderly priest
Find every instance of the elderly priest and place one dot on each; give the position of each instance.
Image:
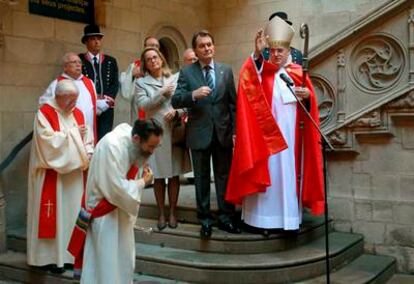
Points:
(61, 149)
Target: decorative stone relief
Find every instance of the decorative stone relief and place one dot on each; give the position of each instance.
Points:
(341, 84)
(325, 97)
(406, 102)
(338, 138)
(411, 44)
(371, 120)
(377, 63)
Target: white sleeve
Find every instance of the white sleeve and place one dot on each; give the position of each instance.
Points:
(49, 93)
(64, 150)
(110, 167)
(258, 70)
(126, 82)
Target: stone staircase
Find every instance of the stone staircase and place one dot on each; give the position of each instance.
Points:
(181, 255)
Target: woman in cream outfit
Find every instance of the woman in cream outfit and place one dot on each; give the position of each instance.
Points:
(153, 94)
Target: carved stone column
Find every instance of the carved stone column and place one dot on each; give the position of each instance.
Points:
(341, 85)
(411, 45)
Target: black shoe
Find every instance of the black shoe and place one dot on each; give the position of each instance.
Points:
(57, 270)
(229, 228)
(68, 266)
(205, 231)
(161, 226)
(266, 233)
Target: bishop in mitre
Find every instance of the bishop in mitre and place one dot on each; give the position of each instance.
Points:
(277, 162)
(61, 148)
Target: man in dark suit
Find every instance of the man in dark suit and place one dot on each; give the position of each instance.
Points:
(102, 69)
(206, 89)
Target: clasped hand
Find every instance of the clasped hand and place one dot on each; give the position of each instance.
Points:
(302, 93)
(147, 175)
(201, 92)
(170, 115)
(167, 90)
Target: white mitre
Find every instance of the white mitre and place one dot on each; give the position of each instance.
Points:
(278, 33)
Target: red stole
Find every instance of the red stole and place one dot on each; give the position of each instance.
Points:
(89, 86)
(306, 135)
(48, 209)
(77, 240)
(249, 172)
(257, 137)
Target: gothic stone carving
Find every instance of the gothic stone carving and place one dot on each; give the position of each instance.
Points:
(338, 138)
(325, 97)
(341, 85)
(411, 43)
(377, 63)
(371, 120)
(405, 102)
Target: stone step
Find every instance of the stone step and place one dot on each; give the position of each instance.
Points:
(364, 269)
(187, 236)
(186, 205)
(303, 262)
(14, 269)
(401, 279)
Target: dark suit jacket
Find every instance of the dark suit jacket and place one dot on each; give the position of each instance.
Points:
(215, 112)
(109, 72)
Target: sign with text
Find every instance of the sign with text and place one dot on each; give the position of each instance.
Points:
(72, 10)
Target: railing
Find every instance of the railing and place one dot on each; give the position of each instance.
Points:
(15, 151)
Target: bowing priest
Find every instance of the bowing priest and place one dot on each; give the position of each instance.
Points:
(277, 164)
(61, 148)
(110, 208)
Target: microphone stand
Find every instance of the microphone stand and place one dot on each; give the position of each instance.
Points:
(325, 146)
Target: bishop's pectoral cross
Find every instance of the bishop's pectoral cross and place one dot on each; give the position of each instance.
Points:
(49, 206)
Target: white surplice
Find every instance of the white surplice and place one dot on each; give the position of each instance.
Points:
(109, 255)
(65, 152)
(278, 207)
(84, 102)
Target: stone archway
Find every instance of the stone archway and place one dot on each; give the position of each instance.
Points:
(170, 51)
(172, 45)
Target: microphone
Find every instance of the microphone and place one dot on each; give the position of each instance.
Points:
(286, 79)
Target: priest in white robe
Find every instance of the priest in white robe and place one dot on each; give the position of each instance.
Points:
(109, 253)
(61, 148)
(87, 102)
(277, 165)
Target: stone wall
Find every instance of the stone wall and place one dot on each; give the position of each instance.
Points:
(234, 23)
(30, 50)
(373, 194)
